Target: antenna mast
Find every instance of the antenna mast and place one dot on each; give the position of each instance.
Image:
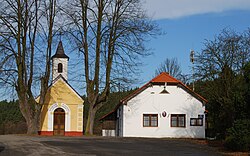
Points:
(192, 61)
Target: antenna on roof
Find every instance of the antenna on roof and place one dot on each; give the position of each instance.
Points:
(192, 61)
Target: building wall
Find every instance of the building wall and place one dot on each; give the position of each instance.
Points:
(60, 95)
(151, 102)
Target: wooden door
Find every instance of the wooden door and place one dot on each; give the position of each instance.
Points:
(59, 122)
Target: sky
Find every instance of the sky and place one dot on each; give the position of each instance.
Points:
(187, 24)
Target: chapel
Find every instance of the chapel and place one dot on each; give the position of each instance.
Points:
(62, 112)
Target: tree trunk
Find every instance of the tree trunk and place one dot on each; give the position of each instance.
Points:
(32, 126)
(90, 121)
(118, 29)
(32, 121)
(30, 111)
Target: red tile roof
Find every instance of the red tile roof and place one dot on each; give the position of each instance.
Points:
(164, 77)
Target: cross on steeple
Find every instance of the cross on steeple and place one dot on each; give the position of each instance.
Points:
(60, 33)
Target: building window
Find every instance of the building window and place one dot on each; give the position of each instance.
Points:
(150, 120)
(178, 120)
(196, 121)
(60, 68)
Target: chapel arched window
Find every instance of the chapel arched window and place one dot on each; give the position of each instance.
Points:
(60, 68)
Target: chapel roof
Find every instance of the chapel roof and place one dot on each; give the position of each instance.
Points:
(60, 52)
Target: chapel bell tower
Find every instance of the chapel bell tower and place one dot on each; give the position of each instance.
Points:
(60, 63)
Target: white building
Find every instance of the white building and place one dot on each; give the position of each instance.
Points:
(164, 107)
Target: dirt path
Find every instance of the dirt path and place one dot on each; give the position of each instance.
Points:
(26, 145)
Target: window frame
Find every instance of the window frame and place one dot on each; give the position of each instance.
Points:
(196, 122)
(150, 120)
(60, 67)
(177, 120)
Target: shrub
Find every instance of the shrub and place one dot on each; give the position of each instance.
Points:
(11, 119)
(238, 136)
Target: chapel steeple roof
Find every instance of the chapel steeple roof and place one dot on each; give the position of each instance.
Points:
(60, 52)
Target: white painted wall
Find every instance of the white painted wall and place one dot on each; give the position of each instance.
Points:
(55, 63)
(151, 102)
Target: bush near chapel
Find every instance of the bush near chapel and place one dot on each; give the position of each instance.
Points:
(238, 136)
(11, 119)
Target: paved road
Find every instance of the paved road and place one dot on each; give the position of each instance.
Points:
(36, 145)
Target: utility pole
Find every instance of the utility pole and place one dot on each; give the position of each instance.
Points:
(192, 61)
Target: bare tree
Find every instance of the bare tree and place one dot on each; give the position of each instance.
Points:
(110, 35)
(228, 49)
(219, 68)
(26, 29)
(170, 66)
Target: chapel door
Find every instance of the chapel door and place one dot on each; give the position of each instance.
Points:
(59, 122)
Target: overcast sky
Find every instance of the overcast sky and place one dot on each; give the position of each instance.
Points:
(170, 9)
